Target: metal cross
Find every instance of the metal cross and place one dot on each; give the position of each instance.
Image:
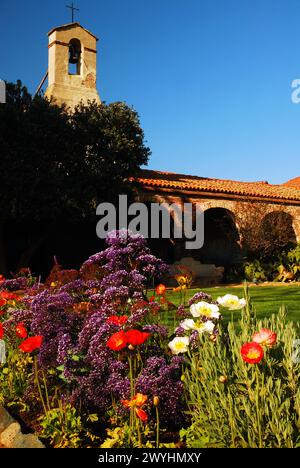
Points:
(73, 9)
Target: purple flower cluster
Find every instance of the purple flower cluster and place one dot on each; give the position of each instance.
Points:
(52, 317)
(163, 380)
(182, 313)
(73, 319)
(200, 296)
(16, 284)
(126, 252)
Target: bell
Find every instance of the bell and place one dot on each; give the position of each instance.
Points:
(73, 54)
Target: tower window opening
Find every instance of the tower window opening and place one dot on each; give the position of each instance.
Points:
(74, 57)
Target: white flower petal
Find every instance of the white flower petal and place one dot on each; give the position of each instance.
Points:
(205, 309)
(187, 324)
(231, 302)
(179, 344)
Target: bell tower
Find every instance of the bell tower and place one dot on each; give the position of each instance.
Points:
(72, 65)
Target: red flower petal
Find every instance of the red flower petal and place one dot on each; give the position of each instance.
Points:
(117, 341)
(252, 352)
(160, 289)
(136, 337)
(141, 414)
(21, 331)
(9, 296)
(1, 331)
(30, 344)
(117, 320)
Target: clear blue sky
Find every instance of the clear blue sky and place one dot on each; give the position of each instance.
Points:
(211, 80)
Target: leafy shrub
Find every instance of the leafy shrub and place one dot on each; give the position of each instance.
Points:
(255, 271)
(284, 266)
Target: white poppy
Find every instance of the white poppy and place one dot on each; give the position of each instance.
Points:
(188, 324)
(200, 327)
(205, 309)
(179, 344)
(231, 302)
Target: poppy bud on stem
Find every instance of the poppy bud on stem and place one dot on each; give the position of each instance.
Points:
(223, 379)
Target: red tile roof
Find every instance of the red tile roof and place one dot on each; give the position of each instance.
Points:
(293, 183)
(180, 182)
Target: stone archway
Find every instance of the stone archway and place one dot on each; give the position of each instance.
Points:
(221, 238)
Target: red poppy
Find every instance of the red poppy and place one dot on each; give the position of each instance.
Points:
(1, 331)
(21, 331)
(9, 296)
(137, 402)
(117, 320)
(30, 344)
(141, 414)
(2, 302)
(152, 299)
(252, 352)
(2, 279)
(136, 337)
(117, 341)
(160, 289)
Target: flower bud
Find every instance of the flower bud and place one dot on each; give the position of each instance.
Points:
(223, 379)
(156, 401)
(131, 347)
(182, 378)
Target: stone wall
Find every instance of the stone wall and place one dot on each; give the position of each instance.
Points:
(11, 435)
(237, 206)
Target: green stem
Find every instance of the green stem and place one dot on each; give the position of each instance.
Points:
(46, 392)
(139, 434)
(157, 427)
(131, 419)
(257, 407)
(36, 375)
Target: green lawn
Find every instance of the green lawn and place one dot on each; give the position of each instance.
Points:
(265, 299)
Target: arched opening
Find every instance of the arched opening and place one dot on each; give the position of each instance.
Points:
(74, 57)
(161, 245)
(276, 233)
(221, 238)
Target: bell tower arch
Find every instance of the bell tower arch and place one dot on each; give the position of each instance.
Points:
(72, 65)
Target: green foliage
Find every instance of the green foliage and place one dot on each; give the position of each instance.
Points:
(255, 271)
(117, 437)
(14, 377)
(290, 260)
(85, 156)
(253, 405)
(285, 266)
(62, 427)
(70, 162)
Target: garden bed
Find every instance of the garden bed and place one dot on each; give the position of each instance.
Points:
(93, 358)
